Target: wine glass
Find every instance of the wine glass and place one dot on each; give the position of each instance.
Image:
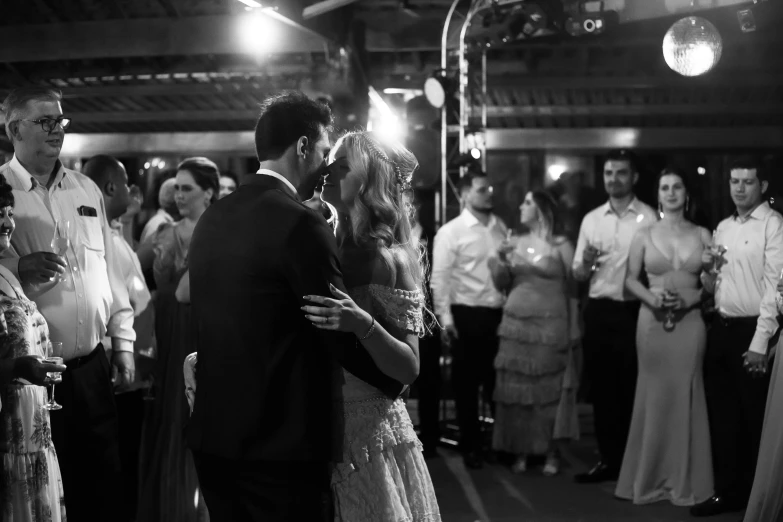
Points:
(55, 356)
(61, 243)
(670, 292)
(719, 252)
(597, 246)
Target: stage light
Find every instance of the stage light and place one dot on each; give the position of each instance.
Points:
(747, 21)
(438, 87)
(591, 23)
(147, 165)
(257, 33)
(556, 171)
(692, 46)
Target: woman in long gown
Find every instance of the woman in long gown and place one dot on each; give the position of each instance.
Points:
(535, 391)
(168, 489)
(766, 497)
(667, 456)
(383, 475)
(31, 488)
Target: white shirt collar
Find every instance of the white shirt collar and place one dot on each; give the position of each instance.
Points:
(267, 172)
(27, 179)
(471, 220)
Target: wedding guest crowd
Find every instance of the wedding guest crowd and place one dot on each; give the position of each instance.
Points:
(686, 409)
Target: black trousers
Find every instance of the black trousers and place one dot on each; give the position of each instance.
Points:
(736, 402)
(428, 387)
(130, 413)
(85, 435)
(248, 491)
(609, 345)
(473, 365)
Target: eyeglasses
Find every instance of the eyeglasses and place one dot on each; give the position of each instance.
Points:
(48, 124)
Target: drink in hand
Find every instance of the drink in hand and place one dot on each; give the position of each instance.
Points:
(54, 377)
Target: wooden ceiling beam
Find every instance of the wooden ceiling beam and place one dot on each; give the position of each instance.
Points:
(704, 109)
(146, 37)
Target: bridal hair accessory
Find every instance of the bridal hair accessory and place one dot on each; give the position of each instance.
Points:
(402, 180)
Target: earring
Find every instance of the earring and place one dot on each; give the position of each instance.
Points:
(660, 209)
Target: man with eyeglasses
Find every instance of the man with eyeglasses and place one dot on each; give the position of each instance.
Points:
(468, 305)
(78, 290)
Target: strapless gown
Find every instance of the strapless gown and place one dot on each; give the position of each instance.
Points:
(668, 455)
(383, 476)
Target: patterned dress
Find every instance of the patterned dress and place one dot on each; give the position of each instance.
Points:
(383, 476)
(31, 489)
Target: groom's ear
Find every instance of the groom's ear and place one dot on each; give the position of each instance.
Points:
(302, 147)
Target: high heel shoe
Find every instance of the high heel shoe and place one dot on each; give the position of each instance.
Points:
(552, 467)
(519, 465)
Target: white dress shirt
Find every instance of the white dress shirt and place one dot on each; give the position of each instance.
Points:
(92, 301)
(161, 217)
(460, 270)
(611, 233)
(747, 282)
(267, 172)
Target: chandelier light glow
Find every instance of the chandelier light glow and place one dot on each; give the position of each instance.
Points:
(692, 46)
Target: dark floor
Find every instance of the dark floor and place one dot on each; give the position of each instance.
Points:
(494, 494)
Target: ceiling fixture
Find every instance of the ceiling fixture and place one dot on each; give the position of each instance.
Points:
(438, 87)
(692, 46)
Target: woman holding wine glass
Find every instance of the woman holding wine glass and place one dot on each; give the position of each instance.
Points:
(668, 452)
(30, 485)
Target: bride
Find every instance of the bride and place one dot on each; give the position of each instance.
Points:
(382, 475)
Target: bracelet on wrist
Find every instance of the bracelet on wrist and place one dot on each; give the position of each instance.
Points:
(370, 331)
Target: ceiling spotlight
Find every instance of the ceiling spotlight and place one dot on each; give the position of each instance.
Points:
(692, 46)
(747, 21)
(591, 23)
(437, 88)
(701, 171)
(475, 153)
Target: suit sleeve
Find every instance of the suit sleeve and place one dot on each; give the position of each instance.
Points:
(311, 264)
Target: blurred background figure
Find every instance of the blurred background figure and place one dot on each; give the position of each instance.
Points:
(122, 205)
(668, 452)
(535, 392)
(228, 183)
(167, 210)
(168, 478)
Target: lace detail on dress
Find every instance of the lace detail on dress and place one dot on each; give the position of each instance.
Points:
(403, 308)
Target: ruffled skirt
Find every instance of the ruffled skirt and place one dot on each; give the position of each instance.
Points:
(383, 476)
(535, 390)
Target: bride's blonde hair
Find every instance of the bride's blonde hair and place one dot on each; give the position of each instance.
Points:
(380, 217)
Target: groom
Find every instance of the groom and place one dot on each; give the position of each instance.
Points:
(267, 420)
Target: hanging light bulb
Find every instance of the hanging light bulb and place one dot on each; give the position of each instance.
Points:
(692, 46)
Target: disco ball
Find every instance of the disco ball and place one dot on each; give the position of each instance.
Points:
(692, 46)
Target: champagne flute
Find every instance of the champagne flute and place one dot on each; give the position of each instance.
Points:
(719, 251)
(61, 243)
(599, 252)
(670, 292)
(52, 378)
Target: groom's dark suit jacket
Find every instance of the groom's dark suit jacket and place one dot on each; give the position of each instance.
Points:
(268, 380)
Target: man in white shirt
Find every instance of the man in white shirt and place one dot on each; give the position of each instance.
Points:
(468, 305)
(609, 342)
(78, 292)
(736, 380)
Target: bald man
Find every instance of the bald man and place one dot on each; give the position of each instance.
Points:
(163, 215)
(112, 179)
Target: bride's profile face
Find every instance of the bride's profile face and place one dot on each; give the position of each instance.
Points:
(341, 184)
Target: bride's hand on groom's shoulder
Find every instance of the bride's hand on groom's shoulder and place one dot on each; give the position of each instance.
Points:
(339, 313)
(189, 369)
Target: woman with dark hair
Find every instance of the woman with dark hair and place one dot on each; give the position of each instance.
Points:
(535, 391)
(168, 478)
(30, 484)
(668, 452)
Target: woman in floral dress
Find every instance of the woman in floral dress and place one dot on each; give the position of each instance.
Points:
(31, 489)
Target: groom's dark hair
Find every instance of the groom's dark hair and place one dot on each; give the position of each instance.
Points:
(285, 118)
